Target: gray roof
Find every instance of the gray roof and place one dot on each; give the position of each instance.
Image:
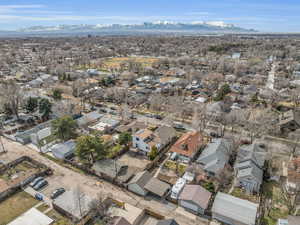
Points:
(165, 133)
(113, 122)
(252, 152)
(63, 149)
(196, 194)
(108, 167)
(75, 203)
(88, 118)
(235, 208)
(167, 222)
(141, 178)
(215, 155)
(157, 186)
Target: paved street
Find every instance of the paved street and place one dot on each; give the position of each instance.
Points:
(67, 178)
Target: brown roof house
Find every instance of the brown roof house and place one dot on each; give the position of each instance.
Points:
(187, 146)
(293, 175)
(194, 198)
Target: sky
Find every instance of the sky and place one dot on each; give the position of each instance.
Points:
(262, 15)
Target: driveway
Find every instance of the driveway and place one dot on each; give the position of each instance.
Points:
(69, 179)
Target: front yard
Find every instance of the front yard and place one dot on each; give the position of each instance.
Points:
(177, 167)
(15, 206)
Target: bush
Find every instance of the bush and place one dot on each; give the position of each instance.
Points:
(153, 153)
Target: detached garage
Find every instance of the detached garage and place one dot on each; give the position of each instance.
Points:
(138, 183)
(194, 198)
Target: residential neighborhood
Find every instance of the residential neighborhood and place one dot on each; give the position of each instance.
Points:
(150, 130)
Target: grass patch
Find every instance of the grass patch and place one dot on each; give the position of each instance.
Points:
(43, 207)
(240, 193)
(15, 206)
(58, 218)
(171, 165)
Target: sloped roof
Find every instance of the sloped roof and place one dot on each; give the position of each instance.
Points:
(196, 194)
(192, 141)
(235, 208)
(141, 178)
(157, 187)
(120, 221)
(167, 222)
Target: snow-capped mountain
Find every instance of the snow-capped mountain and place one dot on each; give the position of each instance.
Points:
(147, 27)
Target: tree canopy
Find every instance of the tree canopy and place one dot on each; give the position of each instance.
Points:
(125, 138)
(90, 149)
(64, 128)
(45, 108)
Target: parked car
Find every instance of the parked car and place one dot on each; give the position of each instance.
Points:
(40, 185)
(35, 181)
(57, 193)
(39, 196)
(214, 135)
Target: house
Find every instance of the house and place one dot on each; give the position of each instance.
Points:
(187, 146)
(146, 139)
(40, 135)
(89, 118)
(234, 211)
(143, 183)
(249, 167)
(293, 175)
(106, 124)
(112, 170)
(68, 204)
(215, 156)
(63, 150)
(167, 222)
(32, 217)
(289, 121)
(194, 198)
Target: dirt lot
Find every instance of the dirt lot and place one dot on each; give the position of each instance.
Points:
(133, 160)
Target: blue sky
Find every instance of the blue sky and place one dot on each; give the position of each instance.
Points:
(263, 15)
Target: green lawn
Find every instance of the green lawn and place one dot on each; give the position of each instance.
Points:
(43, 207)
(14, 206)
(58, 218)
(172, 166)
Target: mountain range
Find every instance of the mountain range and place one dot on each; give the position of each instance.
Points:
(144, 28)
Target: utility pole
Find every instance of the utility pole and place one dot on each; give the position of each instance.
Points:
(1, 134)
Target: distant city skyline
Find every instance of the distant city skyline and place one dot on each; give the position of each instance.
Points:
(262, 15)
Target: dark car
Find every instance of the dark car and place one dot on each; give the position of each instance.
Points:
(214, 135)
(57, 193)
(35, 181)
(39, 196)
(40, 185)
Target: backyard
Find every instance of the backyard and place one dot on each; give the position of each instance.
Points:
(276, 203)
(58, 218)
(15, 206)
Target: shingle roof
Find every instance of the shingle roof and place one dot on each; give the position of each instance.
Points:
(141, 178)
(157, 187)
(196, 194)
(235, 208)
(192, 141)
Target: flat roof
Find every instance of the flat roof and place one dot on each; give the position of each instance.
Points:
(32, 217)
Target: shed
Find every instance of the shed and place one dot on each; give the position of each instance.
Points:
(157, 187)
(138, 183)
